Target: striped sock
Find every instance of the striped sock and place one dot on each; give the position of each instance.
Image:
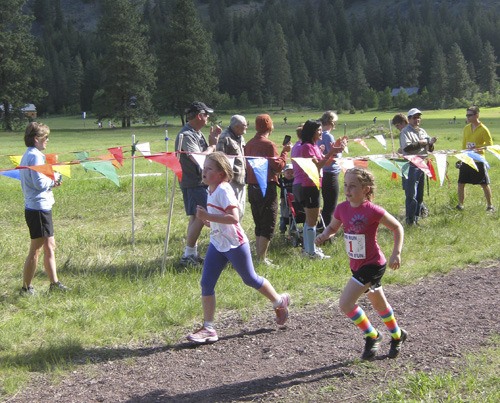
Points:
(358, 316)
(390, 322)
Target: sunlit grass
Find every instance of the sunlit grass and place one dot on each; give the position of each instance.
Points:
(120, 295)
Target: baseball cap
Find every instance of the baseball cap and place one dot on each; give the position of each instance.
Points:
(287, 167)
(199, 107)
(414, 111)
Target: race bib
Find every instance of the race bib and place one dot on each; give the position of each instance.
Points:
(355, 246)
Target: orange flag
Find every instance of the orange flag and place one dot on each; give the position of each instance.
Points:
(51, 158)
(110, 157)
(43, 169)
(169, 160)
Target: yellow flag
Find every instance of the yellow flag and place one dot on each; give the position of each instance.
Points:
(15, 159)
(310, 168)
(467, 160)
(63, 170)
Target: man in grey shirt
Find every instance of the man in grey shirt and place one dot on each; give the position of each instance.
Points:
(191, 140)
(232, 142)
(414, 140)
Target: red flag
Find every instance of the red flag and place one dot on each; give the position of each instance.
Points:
(118, 153)
(419, 163)
(169, 160)
(431, 169)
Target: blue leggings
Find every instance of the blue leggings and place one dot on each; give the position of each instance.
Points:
(215, 262)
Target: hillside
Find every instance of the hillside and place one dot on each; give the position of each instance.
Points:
(84, 14)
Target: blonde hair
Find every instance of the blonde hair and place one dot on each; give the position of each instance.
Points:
(222, 162)
(366, 178)
(329, 118)
(35, 130)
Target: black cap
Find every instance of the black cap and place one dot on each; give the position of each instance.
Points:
(199, 107)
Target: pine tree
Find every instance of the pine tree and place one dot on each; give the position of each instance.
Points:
(487, 70)
(19, 65)
(460, 82)
(187, 71)
(128, 66)
(439, 77)
(277, 67)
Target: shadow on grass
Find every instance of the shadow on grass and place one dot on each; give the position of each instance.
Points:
(130, 270)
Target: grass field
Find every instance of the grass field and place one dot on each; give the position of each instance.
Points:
(119, 295)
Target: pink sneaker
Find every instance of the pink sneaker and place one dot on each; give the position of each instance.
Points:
(282, 310)
(203, 336)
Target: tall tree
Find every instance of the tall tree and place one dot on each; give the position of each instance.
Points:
(128, 66)
(19, 65)
(277, 67)
(488, 70)
(187, 64)
(460, 84)
(439, 77)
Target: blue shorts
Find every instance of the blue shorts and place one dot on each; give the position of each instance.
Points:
(39, 223)
(193, 197)
(369, 274)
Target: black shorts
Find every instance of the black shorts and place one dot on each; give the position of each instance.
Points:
(370, 273)
(39, 223)
(310, 197)
(468, 174)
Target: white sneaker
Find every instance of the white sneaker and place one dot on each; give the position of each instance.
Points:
(318, 254)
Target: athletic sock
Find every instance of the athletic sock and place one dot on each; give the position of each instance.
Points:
(358, 316)
(309, 234)
(208, 325)
(191, 251)
(278, 302)
(390, 322)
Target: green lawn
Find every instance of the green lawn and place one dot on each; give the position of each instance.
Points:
(120, 296)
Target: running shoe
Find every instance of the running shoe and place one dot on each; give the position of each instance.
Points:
(58, 287)
(191, 260)
(282, 309)
(27, 291)
(371, 347)
(203, 336)
(396, 344)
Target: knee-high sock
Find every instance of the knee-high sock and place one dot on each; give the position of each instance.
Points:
(358, 316)
(309, 237)
(390, 321)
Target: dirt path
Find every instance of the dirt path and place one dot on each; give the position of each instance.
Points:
(315, 358)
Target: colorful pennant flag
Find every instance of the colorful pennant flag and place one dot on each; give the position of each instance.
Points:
(117, 153)
(15, 159)
(441, 166)
(13, 173)
(381, 140)
(105, 168)
(467, 160)
(170, 161)
(259, 166)
(310, 168)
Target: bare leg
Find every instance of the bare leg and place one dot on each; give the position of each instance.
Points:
(461, 193)
(269, 292)
(193, 231)
(49, 259)
(208, 303)
(487, 194)
(261, 246)
(31, 261)
(350, 295)
(377, 299)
